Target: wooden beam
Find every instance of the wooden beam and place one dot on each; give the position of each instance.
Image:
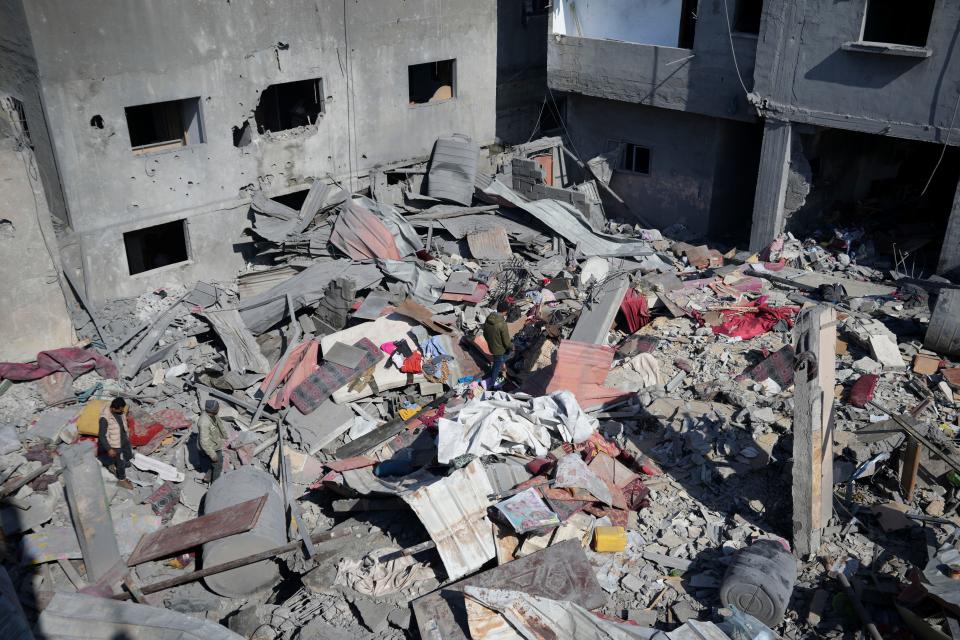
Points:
(815, 336)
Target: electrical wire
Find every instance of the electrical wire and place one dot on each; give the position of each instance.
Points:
(346, 56)
(736, 65)
(943, 152)
(563, 124)
(539, 117)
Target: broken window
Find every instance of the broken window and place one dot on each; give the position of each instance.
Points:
(688, 24)
(431, 81)
(164, 125)
(898, 22)
(747, 19)
(636, 159)
(290, 105)
(21, 115)
(154, 247)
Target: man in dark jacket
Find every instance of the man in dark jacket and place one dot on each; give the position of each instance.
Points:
(498, 339)
(114, 443)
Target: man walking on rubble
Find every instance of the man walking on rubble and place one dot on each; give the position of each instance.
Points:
(113, 441)
(497, 335)
(213, 434)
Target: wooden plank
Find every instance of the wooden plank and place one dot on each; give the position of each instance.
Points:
(192, 533)
(911, 467)
(814, 343)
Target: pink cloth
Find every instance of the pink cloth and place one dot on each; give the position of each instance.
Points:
(70, 359)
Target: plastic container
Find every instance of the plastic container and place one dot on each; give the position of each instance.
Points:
(742, 626)
(759, 581)
(609, 539)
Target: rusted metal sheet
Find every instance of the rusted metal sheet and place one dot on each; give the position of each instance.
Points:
(193, 533)
(362, 235)
(491, 244)
(560, 572)
(413, 309)
(582, 368)
(454, 512)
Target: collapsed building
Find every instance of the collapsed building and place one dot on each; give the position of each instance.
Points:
(286, 247)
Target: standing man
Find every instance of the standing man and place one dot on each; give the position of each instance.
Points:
(113, 441)
(498, 339)
(213, 434)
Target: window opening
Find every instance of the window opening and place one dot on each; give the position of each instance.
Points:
(898, 22)
(164, 125)
(747, 19)
(636, 159)
(431, 81)
(154, 247)
(290, 105)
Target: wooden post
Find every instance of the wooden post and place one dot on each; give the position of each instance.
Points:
(815, 336)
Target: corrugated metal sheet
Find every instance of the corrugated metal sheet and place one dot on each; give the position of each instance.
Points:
(567, 221)
(582, 368)
(491, 244)
(362, 235)
(560, 572)
(460, 226)
(265, 310)
(254, 282)
(454, 512)
(453, 169)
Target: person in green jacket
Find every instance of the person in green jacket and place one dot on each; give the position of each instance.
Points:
(498, 339)
(213, 433)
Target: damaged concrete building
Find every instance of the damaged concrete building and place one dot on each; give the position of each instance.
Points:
(442, 320)
(152, 122)
(740, 118)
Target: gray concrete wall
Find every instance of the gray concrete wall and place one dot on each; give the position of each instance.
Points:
(33, 313)
(689, 156)
(702, 80)
(19, 79)
(521, 70)
(813, 79)
(95, 58)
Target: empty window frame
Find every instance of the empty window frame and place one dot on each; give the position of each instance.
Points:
(635, 159)
(154, 247)
(290, 105)
(688, 23)
(898, 22)
(747, 19)
(432, 81)
(161, 126)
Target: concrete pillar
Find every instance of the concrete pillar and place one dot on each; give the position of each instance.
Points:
(771, 183)
(949, 264)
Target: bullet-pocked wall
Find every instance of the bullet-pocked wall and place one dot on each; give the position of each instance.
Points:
(203, 144)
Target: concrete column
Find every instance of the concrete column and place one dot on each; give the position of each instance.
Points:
(949, 264)
(771, 183)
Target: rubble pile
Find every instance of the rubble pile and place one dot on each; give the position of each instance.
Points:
(681, 441)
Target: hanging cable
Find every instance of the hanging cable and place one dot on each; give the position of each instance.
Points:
(726, 14)
(539, 116)
(943, 152)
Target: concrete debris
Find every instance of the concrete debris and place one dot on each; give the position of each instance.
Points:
(681, 434)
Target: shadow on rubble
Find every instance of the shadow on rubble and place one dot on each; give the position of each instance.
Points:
(744, 490)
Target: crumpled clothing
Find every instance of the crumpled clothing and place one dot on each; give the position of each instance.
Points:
(372, 577)
(413, 364)
(73, 360)
(432, 348)
(496, 422)
(437, 369)
(739, 324)
(634, 309)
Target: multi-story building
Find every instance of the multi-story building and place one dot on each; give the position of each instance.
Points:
(743, 118)
(152, 122)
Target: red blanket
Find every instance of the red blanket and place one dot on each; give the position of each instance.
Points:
(70, 359)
